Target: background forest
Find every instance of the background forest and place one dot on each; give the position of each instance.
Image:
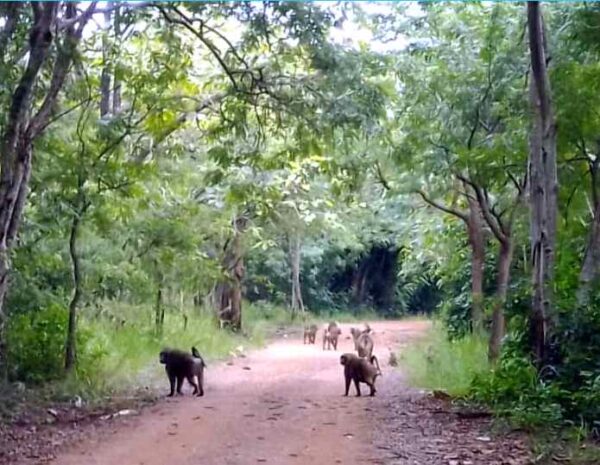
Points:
(166, 167)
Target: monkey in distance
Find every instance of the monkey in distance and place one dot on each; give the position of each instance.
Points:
(363, 342)
(180, 365)
(310, 334)
(360, 370)
(364, 346)
(331, 335)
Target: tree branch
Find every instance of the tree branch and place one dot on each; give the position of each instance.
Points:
(451, 211)
(381, 177)
(211, 47)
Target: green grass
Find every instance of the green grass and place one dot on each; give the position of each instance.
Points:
(434, 362)
(128, 356)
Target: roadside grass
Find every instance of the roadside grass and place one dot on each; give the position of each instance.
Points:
(567, 445)
(436, 363)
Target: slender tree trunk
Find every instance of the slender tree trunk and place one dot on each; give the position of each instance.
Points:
(228, 293)
(15, 161)
(105, 77)
(591, 261)
(297, 304)
(543, 186)
(117, 81)
(477, 243)
(159, 311)
(71, 346)
(498, 328)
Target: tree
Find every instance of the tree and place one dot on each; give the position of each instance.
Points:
(52, 23)
(543, 186)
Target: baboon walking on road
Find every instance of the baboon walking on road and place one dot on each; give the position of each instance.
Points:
(360, 370)
(310, 334)
(180, 365)
(331, 335)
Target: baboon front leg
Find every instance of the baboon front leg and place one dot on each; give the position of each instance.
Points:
(171, 383)
(357, 385)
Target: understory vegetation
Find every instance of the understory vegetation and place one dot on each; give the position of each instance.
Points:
(198, 173)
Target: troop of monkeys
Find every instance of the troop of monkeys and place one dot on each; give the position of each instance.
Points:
(361, 368)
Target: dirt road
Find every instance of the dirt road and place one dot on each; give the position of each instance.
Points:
(281, 405)
(284, 405)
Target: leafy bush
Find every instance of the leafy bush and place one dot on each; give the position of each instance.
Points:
(36, 344)
(567, 392)
(513, 389)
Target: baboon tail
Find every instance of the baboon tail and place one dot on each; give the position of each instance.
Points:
(196, 354)
(375, 362)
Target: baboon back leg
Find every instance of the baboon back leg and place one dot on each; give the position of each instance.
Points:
(373, 390)
(192, 381)
(357, 385)
(201, 385)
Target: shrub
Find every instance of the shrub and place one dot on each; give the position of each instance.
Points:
(36, 343)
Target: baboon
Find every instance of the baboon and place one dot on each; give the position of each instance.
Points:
(363, 342)
(199, 366)
(180, 365)
(355, 332)
(360, 370)
(310, 334)
(331, 335)
(364, 346)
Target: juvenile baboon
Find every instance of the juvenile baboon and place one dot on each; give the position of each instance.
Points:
(355, 332)
(199, 366)
(363, 342)
(364, 346)
(180, 365)
(331, 335)
(310, 334)
(360, 370)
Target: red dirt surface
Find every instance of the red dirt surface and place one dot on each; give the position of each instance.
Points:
(284, 405)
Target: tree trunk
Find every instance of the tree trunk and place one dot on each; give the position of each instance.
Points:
(477, 243)
(117, 81)
(297, 304)
(228, 293)
(16, 152)
(543, 187)
(24, 124)
(105, 77)
(359, 281)
(502, 281)
(71, 346)
(159, 311)
(591, 261)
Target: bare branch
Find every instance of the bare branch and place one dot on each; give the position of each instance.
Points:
(381, 177)
(64, 59)
(211, 47)
(451, 211)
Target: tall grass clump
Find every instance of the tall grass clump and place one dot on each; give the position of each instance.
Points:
(130, 352)
(435, 362)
